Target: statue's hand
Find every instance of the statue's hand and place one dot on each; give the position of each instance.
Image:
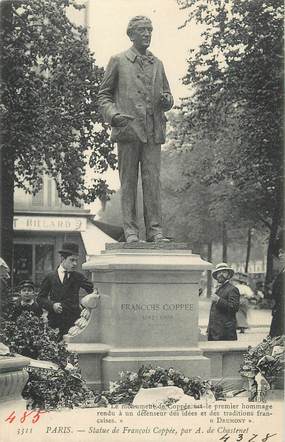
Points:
(121, 120)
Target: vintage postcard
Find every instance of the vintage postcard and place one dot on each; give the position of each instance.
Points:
(155, 311)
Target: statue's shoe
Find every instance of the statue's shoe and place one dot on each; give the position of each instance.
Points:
(132, 238)
(158, 238)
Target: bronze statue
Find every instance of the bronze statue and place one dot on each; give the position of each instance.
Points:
(133, 97)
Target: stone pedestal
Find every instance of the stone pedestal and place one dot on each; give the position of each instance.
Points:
(148, 311)
(12, 381)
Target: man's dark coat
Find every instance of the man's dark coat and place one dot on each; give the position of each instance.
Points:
(277, 323)
(19, 308)
(222, 320)
(53, 290)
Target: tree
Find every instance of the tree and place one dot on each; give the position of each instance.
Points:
(203, 204)
(186, 215)
(50, 121)
(236, 105)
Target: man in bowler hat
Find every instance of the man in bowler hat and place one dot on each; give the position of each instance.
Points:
(225, 304)
(59, 292)
(133, 97)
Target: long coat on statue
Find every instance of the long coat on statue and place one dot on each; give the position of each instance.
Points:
(123, 90)
(53, 290)
(222, 320)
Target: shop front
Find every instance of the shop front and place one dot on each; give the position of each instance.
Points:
(37, 241)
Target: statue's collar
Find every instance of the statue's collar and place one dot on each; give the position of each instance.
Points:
(132, 54)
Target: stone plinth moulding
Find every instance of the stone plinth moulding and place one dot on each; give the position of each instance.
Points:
(13, 378)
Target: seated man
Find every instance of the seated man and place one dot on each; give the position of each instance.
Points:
(59, 292)
(27, 302)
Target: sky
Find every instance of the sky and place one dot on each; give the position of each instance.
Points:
(107, 24)
(108, 20)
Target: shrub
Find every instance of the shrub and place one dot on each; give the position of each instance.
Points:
(49, 389)
(266, 358)
(30, 336)
(46, 388)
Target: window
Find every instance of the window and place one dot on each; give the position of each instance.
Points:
(38, 199)
(23, 262)
(49, 193)
(32, 261)
(43, 261)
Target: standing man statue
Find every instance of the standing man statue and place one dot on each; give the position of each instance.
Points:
(133, 97)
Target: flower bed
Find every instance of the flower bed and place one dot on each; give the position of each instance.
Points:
(63, 385)
(30, 336)
(49, 389)
(126, 388)
(263, 366)
(58, 386)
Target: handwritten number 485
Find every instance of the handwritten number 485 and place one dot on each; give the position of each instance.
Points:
(36, 415)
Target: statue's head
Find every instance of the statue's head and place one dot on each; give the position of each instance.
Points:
(139, 31)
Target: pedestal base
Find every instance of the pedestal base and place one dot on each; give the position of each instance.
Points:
(189, 361)
(148, 310)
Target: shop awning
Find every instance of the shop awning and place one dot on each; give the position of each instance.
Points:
(115, 232)
(95, 238)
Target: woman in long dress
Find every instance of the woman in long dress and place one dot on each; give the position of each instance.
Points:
(245, 294)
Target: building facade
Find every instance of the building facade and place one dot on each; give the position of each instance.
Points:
(41, 224)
